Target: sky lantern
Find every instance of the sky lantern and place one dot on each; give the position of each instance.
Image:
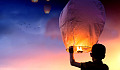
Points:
(47, 0)
(47, 9)
(81, 23)
(35, 1)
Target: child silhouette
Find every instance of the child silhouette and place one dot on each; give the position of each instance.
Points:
(97, 54)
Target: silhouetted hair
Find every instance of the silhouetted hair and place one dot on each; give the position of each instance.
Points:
(98, 51)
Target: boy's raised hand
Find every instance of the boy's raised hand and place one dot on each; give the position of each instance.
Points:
(71, 49)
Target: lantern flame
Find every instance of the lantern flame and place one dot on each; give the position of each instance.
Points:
(47, 12)
(79, 49)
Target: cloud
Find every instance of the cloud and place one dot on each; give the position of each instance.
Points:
(24, 48)
(19, 49)
(111, 30)
(21, 37)
(109, 34)
(52, 28)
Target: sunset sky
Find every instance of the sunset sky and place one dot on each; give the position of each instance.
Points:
(31, 39)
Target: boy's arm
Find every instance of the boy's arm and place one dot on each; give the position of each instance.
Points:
(72, 61)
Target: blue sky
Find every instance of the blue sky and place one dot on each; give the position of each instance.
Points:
(23, 28)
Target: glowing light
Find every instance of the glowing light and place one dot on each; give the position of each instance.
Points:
(35, 1)
(47, 0)
(83, 28)
(47, 12)
(79, 49)
(47, 9)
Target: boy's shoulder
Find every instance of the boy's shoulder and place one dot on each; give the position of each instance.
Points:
(93, 66)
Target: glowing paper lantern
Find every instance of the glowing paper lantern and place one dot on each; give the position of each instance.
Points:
(47, 0)
(47, 9)
(81, 23)
(35, 1)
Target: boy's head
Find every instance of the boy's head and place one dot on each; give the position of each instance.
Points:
(98, 51)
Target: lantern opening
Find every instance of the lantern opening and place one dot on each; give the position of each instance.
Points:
(47, 12)
(79, 49)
